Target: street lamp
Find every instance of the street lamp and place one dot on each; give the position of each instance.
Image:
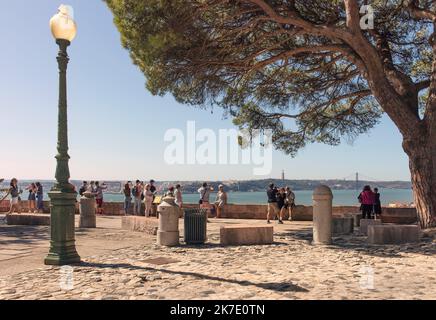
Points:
(62, 195)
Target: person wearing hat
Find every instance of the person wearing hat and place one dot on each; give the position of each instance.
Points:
(15, 192)
(220, 201)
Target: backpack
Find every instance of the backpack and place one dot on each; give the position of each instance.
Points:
(134, 191)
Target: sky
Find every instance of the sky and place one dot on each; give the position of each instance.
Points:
(116, 127)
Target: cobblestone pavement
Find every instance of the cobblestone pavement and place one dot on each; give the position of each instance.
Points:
(291, 268)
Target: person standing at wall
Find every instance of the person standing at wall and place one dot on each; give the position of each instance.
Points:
(39, 198)
(83, 188)
(366, 198)
(204, 192)
(99, 196)
(290, 201)
(178, 195)
(127, 197)
(272, 202)
(220, 201)
(377, 203)
(281, 204)
(136, 193)
(148, 199)
(91, 187)
(31, 199)
(15, 196)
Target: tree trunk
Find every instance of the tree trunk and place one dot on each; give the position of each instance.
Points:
(422, 163)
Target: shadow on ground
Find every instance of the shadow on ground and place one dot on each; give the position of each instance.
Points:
(273, 286)
(357, 242)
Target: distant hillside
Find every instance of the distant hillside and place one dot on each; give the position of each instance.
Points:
(261, 185)
(244, 185)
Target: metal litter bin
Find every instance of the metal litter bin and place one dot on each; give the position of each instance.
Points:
(195, 222)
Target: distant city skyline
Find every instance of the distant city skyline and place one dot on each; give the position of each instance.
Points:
(116, 127)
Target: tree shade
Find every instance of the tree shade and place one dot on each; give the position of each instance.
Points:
(312, 71)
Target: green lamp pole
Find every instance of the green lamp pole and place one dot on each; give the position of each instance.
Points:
(62, 195)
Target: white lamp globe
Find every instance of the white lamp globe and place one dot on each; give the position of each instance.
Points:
(62, 24)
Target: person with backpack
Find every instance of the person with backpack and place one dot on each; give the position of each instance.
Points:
(204, 192)
(136, 194)
(83, 188)
(273, 208)
(204, 203)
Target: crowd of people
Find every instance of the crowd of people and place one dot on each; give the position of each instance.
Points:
(370, 203)
(280, 201)
(35, 197)
(140, 192)
(96, 189)
(146, 193)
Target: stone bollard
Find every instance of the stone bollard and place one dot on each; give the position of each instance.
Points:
(322, 215)
(168, 232)
(87, 211)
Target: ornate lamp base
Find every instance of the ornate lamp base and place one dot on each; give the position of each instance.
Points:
(62, 244)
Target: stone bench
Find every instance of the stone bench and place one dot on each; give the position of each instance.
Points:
(342, 225)
(147, 225)
(393, 234)
(364, 223)
(246, 234)
(399, 216)
(28, 219)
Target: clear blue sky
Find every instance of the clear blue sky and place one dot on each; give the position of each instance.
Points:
(116, 127)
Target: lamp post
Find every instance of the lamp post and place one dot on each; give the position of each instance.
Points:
(62, 195)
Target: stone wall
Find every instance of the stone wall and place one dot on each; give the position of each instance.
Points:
(258, 211)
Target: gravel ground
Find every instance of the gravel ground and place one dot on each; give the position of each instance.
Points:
(291, 268)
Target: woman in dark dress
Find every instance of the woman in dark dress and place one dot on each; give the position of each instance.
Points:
(281, 197)
(377, 202)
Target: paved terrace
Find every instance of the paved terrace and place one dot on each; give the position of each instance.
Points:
(118, 264)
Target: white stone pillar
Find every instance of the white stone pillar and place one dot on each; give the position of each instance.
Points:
(322, 215)
(87, 211)
(168, 231)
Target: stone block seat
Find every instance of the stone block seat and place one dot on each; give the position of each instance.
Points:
(28, 219)
(148, 225)
(242, 234)
(364, 223)
(393, 234)
(342, 225)
(357, 216)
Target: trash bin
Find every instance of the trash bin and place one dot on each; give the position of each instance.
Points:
(195, 226)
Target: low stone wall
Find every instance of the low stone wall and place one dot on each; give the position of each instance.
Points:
(258, 211)
(28, 219)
